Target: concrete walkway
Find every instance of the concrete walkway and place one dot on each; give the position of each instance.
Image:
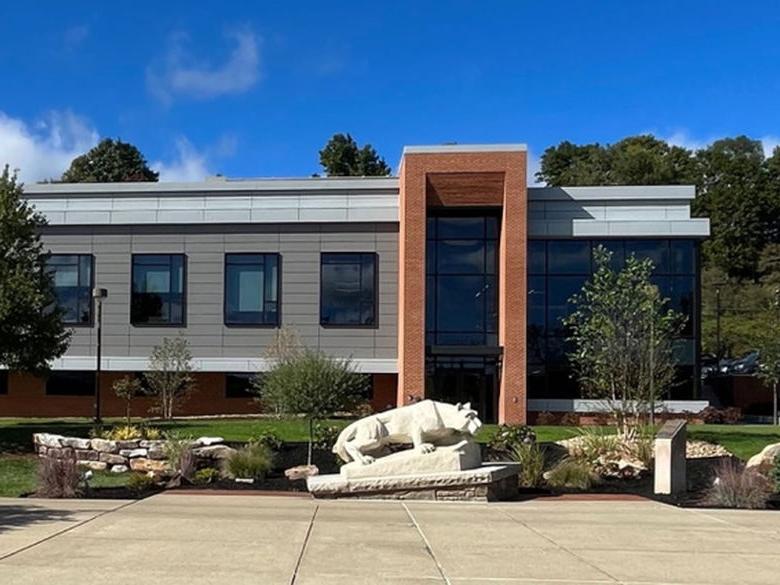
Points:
(236, 540)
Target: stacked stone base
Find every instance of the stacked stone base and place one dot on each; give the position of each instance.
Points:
(488, 483)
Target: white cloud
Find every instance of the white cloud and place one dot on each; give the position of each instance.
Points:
(684, 139)
(770, 143)
(189, 164)
(180, 74)
(45, 149)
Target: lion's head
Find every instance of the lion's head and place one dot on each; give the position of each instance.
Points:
(462, 418)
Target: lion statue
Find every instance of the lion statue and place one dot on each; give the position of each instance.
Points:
(424, 424)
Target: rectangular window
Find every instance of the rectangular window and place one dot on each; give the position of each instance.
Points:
(70, 383)
(239, 385)
(348, 289)
(158, 290)
(3, 382)
(72, 280)
(251, 289)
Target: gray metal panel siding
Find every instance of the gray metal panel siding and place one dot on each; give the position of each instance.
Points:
(300, 248)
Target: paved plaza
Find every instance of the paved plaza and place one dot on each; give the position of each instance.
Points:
(174, 539)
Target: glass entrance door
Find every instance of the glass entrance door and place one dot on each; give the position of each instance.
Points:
(471, 379)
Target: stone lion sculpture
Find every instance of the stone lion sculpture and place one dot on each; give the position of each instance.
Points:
(424, 424)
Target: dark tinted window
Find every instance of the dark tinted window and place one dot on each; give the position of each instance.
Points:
(3, 381)
(70, 383)
(72, 279)
(568, 257)
(536, 257)
(656, 250)
(683, 257)
(158, 289)
(252, 289)
(348, 289)
(239, 385)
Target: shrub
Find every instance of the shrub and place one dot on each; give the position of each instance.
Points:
(58, 478)
(251, 462)
(531, 459)
(178, 452)
(570, 419)
(123, 433)
(737, 487)
(151, 433)
(510, 437)
(573, 474)
(545, 418)
(127, 388)
(140, 483)
(205, 476)
(596, 446)
(269, 439)
(325, 436)
(729, 416)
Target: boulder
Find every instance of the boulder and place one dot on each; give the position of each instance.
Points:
(48, 440)
(214, 452)
(104, 445)
(301, 472)
(120, 469)
(112, 459)
(87, 455)
(156, 452)
(75, 442)
(128, 444)
(63, 453)
(207, 441)
(765, 460)
(94, 465)
(147, 443)
(146, 465)
(133, 453)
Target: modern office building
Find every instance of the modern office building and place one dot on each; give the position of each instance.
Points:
(447, 281)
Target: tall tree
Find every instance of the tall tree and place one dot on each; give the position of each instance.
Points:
(574, 165)
(732, 192)
(767, 342)
(342, 157)
(31, 330)
(622, 332)
(111, 161)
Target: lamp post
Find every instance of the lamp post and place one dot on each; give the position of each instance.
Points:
(98, 294)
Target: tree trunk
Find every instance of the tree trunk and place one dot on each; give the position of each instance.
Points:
(311, 439)
(774, 403)
(127, 412)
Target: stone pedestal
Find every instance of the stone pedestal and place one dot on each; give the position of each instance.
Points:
(670, 459)
(486, 483)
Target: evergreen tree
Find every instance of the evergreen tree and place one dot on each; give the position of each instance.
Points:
(342, 157)
(111, 161)
(31, 329)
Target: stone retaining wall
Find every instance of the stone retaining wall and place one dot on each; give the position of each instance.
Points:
(121, 456)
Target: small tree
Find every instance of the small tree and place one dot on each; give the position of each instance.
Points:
(767, 342)
(623, 332)
(170, 378)
(127, 388)
(342, 157)
(311, 384)
(111, 161)
(31, 329)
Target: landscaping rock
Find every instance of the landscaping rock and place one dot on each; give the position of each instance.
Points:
(128, 444)
(145, 465)
(63, 453)
(48, 440)
(104, 445)
(133, 453)
(214, 452)
(75, 442)
(301, 472)
(87, 455)
(764, 461)
(207, 441)
(42, 451)
(156, 452)
(120, 469)
(146, 443)
(94, 465)
(705, 450)
(112, 459)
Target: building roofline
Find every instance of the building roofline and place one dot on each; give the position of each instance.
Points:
(613, 193)
(451, 148)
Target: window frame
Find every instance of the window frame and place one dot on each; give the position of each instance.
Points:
(91, 321)
(375, 301)
(184, 287)
(278, 292)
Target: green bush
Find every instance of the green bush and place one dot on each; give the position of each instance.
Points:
(572, 474)
(509, 437)
(737, 487)
(205, 476)
(531, 459)
(140, 483)
(178, 452)
(268, 438)
(251, 462)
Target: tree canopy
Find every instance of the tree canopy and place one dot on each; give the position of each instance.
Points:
(111, 161)
(31, 329)
(342, 157)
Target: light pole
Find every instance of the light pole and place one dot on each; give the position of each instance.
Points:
(99, 294)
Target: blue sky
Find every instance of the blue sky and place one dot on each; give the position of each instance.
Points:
(255, 89)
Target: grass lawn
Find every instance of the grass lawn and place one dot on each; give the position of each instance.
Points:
(17, 464)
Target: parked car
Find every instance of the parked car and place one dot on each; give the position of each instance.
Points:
(747, 364)
(709, 365)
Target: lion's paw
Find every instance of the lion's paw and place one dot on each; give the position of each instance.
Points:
(426, 448)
